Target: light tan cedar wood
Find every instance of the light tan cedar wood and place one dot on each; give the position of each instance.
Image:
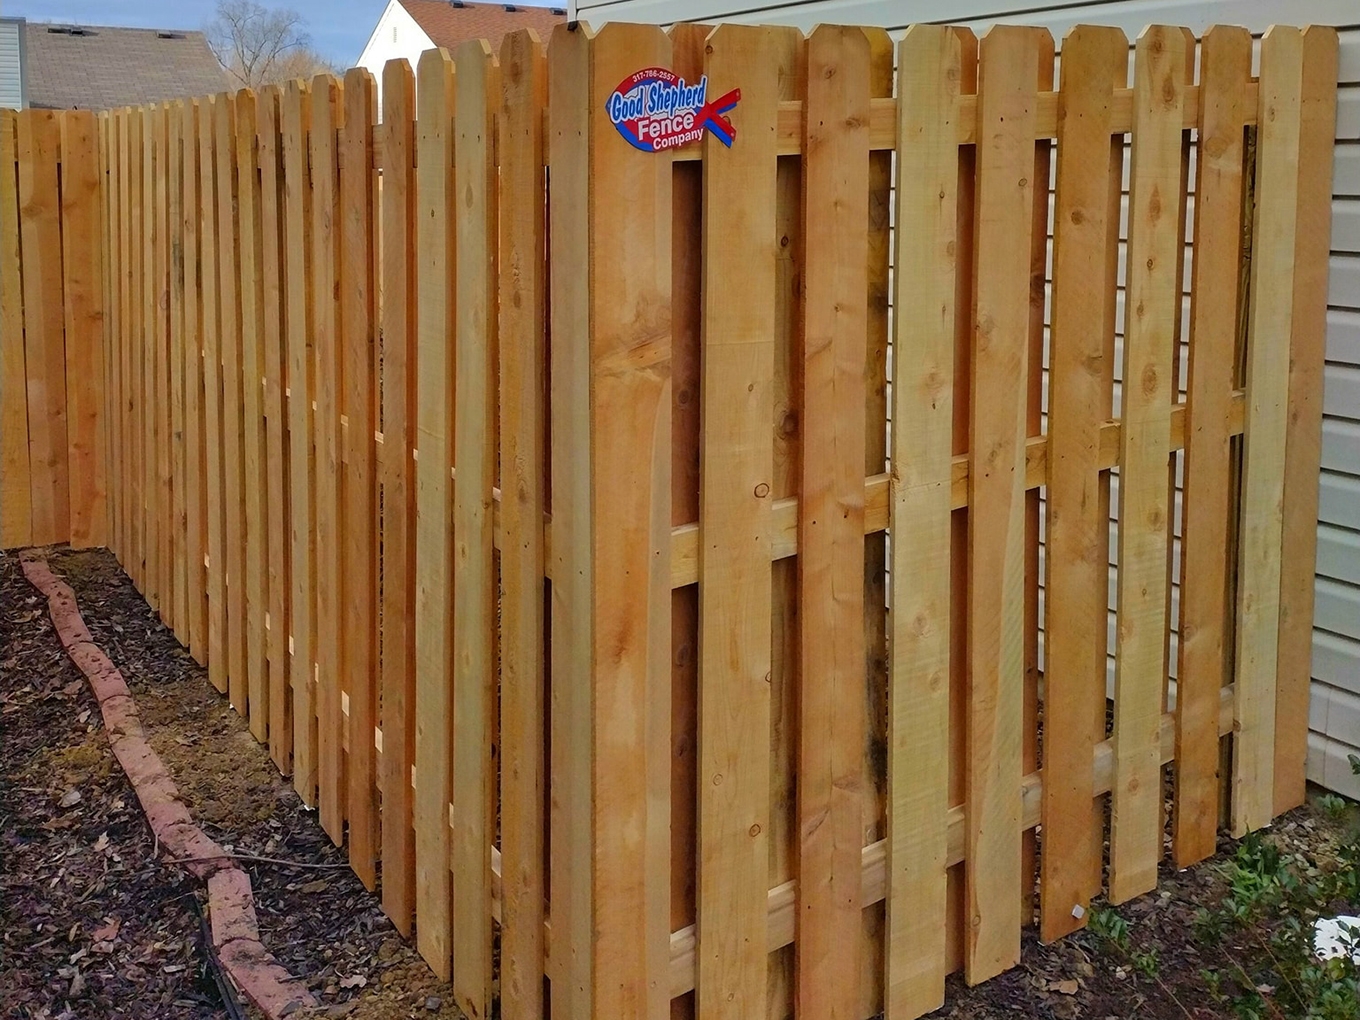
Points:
(736, 469)
(108, 225)
(1095, 62)
(151, 294)
(523, 465)
(474, 578)
(160, 365)
(1040, 185)
(229, 348)
(630, 436)
(919, 520)
(359, 564)
(15, 509)
(782, 835)
(327, 118)
(39, 140)
(195, 507)
(396, 470)
(276, 477)
(136, 439)
(82, 271)
(296, 122)
(435, 374)
(1273, 283)
(1151, 309)
(958, 553)
(687, 60)
(873, 571)
(831, 520)
(1303, 449)
(996, 522)
(251, 496)
(174, 370)
(212, 392)
(117, 272)
(103, 217)
(1225, 62)
(570, 102)
(177, 575)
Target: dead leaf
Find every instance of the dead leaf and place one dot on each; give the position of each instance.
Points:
(73, 688)
(70, 799)
(84, 717)
(173, 968)
(102, 843)
(310, 888)
(107, 932)
(1065, 987)
(353, 981)
(77, 984)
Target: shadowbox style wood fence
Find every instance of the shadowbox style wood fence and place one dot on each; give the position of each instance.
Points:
(638, 555)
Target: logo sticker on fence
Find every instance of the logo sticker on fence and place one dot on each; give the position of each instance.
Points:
(655, 110)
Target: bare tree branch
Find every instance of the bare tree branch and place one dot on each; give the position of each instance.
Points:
(260, 46)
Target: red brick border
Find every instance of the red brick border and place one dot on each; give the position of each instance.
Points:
(231, 904)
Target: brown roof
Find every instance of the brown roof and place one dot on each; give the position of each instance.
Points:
(450, 23)
(95, 68)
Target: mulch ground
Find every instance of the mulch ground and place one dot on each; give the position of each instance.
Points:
(94, 926)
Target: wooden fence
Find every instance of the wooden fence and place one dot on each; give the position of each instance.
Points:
(52, 416)
(621, 698)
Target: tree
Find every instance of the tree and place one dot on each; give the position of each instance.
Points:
(261, 46)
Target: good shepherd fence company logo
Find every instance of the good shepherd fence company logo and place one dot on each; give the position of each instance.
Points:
(655, 109)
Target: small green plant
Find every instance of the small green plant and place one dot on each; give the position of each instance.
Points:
(1107, 924)
(1332, 805)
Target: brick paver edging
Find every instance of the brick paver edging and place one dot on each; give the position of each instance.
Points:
(231, 904)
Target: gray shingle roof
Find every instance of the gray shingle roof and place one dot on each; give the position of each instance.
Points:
(95, 68)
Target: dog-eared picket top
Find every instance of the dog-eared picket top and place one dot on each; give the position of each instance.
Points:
(566, 470)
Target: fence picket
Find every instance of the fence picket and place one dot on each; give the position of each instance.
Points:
(435, 378)
(159, 364)
(82, 271)
(929, 62)
(177, 517)
(212, 393)
(195, 475)
(397, 470)
(629, 288)
(474, 574)
(1095, 63)
(1006, 104)
(39, 142)
(229, 349)
(327, 119)
(16, 521)
(1303, 450)
(571, 821)
(1225, 64)
(521, 339)
(359, 564)
(274, 368)
(735, 497)
(251, 495)
(831, 524)
(1265, 439)
(1151, 310)
(295, 118)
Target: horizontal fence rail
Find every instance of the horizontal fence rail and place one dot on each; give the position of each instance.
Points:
(683, 579)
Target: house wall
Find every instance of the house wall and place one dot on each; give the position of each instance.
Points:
(396, 35)
(1335, 705)
(12, 92)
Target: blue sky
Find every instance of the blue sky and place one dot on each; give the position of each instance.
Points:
(339, 28)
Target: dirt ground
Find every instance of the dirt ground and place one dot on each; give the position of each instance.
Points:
(95, 927)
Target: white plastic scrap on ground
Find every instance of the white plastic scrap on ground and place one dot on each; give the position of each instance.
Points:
(1335, 937)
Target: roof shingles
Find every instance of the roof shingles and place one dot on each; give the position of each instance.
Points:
(447, 25)
(105, 68)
